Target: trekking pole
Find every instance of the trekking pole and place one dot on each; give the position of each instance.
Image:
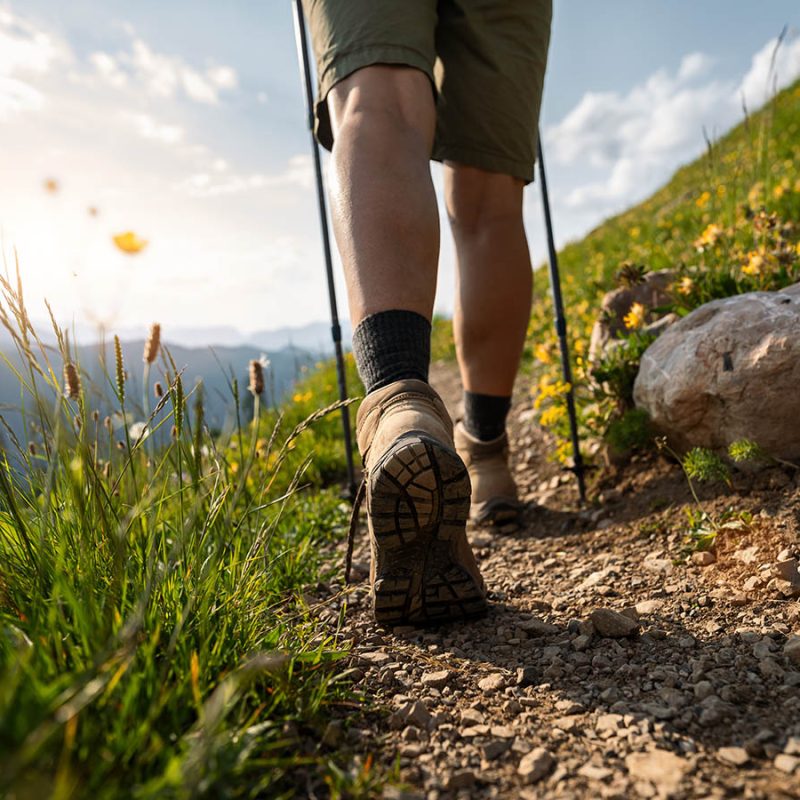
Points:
(561, 330)
(336, 330)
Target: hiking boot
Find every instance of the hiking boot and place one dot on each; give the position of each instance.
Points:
(418, 495)
(494, 493)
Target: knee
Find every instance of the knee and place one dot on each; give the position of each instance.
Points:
(383, 102)
(480, 202)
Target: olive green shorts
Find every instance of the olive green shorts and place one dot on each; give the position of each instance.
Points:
(485, 58)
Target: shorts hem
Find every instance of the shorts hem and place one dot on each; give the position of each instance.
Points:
(482, 159)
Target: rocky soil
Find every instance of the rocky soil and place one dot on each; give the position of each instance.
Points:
(614, 662)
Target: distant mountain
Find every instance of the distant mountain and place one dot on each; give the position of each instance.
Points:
(315, 337)
(215, 367)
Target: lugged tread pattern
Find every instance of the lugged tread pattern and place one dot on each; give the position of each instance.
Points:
(418, 501)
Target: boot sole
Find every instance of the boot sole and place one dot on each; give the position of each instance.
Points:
(419, 500)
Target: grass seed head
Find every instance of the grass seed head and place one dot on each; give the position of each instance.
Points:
(120, 370)
(72, 381)
(153, 344)
(256, 377)
(158, 390)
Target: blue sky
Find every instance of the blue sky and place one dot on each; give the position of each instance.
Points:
(184, 122)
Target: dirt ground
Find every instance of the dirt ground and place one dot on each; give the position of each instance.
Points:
(691, 689)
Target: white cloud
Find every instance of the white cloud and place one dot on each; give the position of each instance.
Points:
(164, 76)
(770, 69)
(25, 52)
(151, 129)
(298, 173)
(627, 143)
(109, 70)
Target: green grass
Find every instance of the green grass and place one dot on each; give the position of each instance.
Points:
(154, 637)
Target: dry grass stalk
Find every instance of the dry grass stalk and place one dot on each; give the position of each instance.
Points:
(153, 344)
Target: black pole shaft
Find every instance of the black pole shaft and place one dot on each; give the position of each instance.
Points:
(561, 327)
(336, 330)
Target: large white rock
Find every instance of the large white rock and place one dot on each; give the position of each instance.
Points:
(729, 370)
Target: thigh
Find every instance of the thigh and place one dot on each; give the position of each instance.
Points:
(490, 74)
(348, 35)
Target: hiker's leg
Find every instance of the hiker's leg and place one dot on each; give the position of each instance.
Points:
(494, 281)
(383, 203)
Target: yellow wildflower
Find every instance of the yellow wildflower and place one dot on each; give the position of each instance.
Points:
(755, 263)
(686, 285)
(709, 237)
(634, 232)
(778, 192)
(702, 201)
(552, 415)
(635, 317)
(542, 354)
(129, 242)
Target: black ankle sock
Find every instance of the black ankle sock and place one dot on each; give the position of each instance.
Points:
(485, 415)
(392, 346)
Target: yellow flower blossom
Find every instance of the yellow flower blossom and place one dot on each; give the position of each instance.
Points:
(635, 317)
(634, 232)
(778, 192)
(709, 237)
(542, 354)
(702, 201)
(552, 415)
(129, 242)
(755, 263)
(686, 285)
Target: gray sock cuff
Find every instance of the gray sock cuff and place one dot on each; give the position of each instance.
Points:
(392, 346)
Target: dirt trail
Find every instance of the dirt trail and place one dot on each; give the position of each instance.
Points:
(702, 699)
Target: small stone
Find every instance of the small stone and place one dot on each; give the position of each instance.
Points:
(594, 773)
(740, 599)
(703, 558)
(660, 767)
(569, 707)
(608, 722)
(735, 756)
(417, 714)
(535, 765)
(567, 724)
(792, 649)
(703, 689)
(463, 779)
(495, 748)
(787, 569)
(787, 764)
(527, 676)
(436, 680)
(538, 627)
(646, 607)
(792, 747)
(492, 683)
(612, 624)
(472, 716)
(502, 732)
(770, 668)
(581, 643)
(376, 657)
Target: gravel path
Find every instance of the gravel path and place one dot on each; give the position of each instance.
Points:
(611, 664)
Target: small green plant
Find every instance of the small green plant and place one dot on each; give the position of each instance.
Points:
(632, 431)
(702, 464)
(616, 372)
